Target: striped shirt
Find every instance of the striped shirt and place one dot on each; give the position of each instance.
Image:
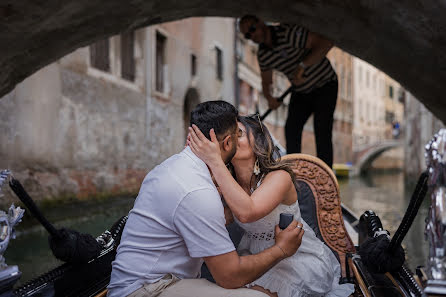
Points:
(287, 51)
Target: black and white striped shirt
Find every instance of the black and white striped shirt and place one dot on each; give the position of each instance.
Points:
(287, 51)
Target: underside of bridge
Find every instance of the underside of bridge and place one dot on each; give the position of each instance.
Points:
(406, 39)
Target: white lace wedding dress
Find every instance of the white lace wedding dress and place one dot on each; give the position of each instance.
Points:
(312, 271)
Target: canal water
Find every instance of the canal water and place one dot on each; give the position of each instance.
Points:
(388, 196)
(384, 193)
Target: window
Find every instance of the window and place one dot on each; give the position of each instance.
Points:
(364, 111)
(382, 88)
(401, 96)
(219, 63)
(349, 87)
(193, 65)
(374, 84)
(160, 62)
(360, 74)
(391, 91)
(390, 117)
(342, 82)
(375, 114)
(367, 115)
(100, 55)
(127, 56)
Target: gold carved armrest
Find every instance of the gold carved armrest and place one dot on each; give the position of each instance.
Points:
(324, 185)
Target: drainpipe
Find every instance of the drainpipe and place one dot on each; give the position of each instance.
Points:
(148, 78)
(236, 78)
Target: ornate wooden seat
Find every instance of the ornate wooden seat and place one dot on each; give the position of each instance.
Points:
(320, 203)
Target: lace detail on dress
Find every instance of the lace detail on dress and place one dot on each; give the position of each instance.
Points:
(260, 236)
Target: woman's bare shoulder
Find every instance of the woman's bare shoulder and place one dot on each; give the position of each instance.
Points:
(280, 183)
(276, 175)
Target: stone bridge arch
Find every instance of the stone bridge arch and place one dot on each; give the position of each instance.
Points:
(388, 34)
(365, 157)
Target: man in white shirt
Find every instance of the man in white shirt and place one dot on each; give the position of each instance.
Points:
(178, 221)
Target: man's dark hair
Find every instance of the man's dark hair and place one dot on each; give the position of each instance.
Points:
(220, 115)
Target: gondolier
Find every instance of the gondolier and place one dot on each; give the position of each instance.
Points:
(300, 55)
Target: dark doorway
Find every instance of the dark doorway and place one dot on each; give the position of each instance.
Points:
(191, 100)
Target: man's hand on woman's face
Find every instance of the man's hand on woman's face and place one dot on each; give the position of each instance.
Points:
(203, 148)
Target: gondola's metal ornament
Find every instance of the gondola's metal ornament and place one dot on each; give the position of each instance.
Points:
(435, 231)
(8, 274)
(4, 177)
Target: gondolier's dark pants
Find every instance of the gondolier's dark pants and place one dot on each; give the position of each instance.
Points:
(321, 102)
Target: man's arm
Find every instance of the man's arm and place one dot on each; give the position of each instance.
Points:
(319, 46)
(267, 80)
(232, 271)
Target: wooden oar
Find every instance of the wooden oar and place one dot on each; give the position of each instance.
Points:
(67, 245)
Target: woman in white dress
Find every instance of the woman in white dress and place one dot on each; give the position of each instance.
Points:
(263, 188)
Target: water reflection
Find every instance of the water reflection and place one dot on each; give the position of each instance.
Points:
(383, 193)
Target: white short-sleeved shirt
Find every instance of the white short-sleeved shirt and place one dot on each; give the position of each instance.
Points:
(177, 219)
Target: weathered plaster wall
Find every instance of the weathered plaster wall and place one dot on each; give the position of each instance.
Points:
(71, 130)
(89, 140)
